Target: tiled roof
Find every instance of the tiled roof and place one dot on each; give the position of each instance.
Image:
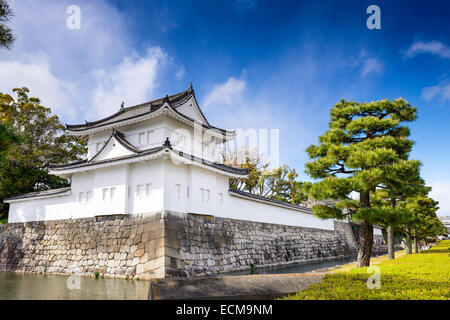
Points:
(262, 198)
(144, 109)
(39, 194)
(141, 153)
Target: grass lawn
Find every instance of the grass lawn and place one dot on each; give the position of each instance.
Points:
(423, 276)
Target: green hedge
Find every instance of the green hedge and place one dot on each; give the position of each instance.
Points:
(423, 276)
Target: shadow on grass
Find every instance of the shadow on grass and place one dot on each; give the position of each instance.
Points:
(436, 251)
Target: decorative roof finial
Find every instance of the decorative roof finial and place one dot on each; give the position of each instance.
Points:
(166, 98)
(191, 88)
(167, 143)
(122, 105)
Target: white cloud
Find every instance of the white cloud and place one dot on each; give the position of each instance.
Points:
(433, 47)
(371, 65)
(132, 81)
(81, 74)
(441, 90)
(36, 75)
(365, 63)
(225, 93)
(180, 73)
(441, 192)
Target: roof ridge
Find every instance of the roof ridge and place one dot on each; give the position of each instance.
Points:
(123, 110)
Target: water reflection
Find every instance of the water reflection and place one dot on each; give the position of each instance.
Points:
(20, 286)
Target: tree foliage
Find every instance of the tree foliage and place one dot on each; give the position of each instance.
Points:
(279, 183)
(23, 167)
(6, 35)
(364, 144)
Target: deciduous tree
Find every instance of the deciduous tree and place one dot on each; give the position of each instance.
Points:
(42, 141)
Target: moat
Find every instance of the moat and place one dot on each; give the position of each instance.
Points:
(32, 286)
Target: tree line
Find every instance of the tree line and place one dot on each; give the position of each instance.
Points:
(365, 151)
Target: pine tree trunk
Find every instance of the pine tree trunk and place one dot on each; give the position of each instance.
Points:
(416, 245)
(408, 240)
(365, 249)
(390, 242)
(366, 241)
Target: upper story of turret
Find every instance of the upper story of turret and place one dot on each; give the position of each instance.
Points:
(173, 126)
(146, 126)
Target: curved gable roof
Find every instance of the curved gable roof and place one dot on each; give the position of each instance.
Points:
(141, 110)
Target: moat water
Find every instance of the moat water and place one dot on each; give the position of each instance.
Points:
(30, 286)
(20, 286)
(295, 267)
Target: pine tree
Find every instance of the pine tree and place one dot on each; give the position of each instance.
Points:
(354, 155)
(402, 181)
(6, 36)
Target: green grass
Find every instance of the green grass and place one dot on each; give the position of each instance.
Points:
(423, 276)
(4, 220)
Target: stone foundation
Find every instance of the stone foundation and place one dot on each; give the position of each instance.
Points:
(114, 246)
(210, 245)
(163, 245)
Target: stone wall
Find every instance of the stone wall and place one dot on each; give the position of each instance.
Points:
(210, 244)
(167, 244)
(113, 246)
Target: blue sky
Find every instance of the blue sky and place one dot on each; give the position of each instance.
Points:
(254, 64)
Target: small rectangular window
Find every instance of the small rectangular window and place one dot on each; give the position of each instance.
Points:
(112, 193)
(105, 193)
(88, 196)
(202, 192)
(81, 197)
(140, 190)
(207, 195)
(143, 137)
(187, 192)
(148, 189)
(220, 199)
(178, 190)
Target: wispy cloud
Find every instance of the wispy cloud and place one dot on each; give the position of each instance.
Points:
(225, 93)
(371, 65)
(366, 64)
(241, 5)
(441, 90)
(432, 47)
